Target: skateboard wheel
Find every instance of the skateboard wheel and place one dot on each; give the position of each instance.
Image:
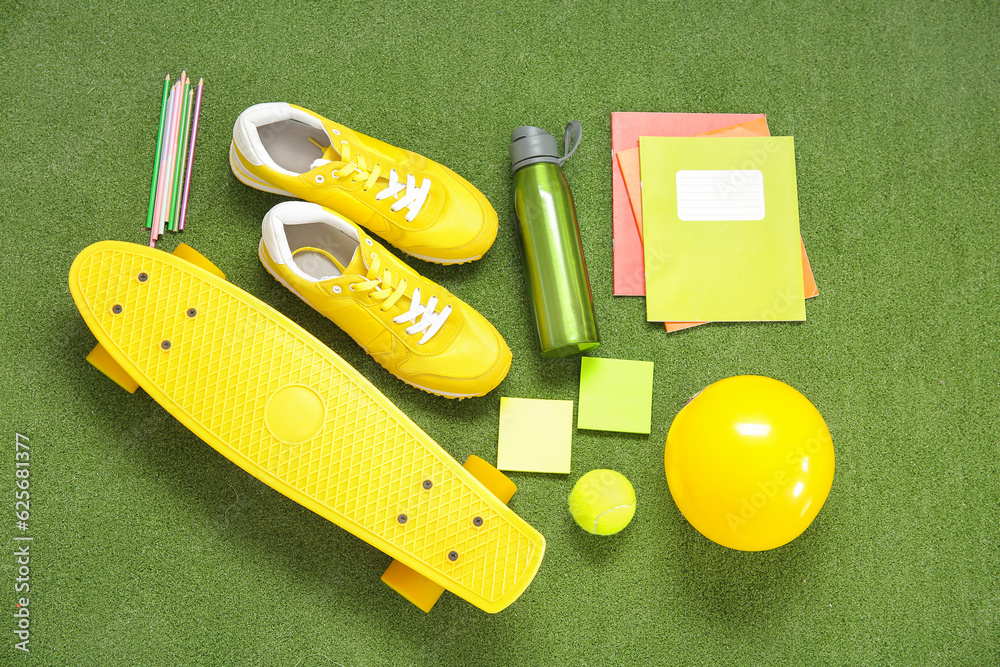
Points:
(495, 481)
(102, 361)
(412, 585)
(187, 253)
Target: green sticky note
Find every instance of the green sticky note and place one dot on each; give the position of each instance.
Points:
(615, 395)
(536, 435)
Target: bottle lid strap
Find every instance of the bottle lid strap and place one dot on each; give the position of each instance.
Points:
(574, 130)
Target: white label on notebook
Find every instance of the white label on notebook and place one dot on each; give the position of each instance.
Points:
(720, 194)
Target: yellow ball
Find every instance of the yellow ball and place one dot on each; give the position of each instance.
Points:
(602, 502)
(749, 462)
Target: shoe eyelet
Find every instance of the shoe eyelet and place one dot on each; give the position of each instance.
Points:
(369, 242)
(350, 287)
(336, 289)
(320, 178)
(335, 131)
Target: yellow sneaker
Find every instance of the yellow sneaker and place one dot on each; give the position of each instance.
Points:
(417, 330)
(416, 204)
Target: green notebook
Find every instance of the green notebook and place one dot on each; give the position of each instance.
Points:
(721, 222)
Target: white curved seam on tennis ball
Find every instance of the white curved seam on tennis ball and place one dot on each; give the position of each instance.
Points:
(612, 509)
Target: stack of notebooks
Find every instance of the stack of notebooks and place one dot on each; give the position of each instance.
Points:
(706, 221)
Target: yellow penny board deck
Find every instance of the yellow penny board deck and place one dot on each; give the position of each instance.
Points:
(281, 405)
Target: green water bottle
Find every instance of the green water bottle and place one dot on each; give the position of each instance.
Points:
(554, 270)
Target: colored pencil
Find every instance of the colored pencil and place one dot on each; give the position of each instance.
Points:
(190, 159)
(188, 109)
(180, 111)
(156, 158)
(182, 123)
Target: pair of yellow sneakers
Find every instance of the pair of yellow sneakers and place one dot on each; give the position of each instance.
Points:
(319, 249)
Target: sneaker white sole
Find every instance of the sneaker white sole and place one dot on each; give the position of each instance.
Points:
(438, 260)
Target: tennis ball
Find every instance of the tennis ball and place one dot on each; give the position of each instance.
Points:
(602, 502)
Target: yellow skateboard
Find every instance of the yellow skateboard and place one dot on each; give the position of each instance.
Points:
(281, 405)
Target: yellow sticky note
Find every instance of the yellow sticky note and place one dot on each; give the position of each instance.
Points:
(615, 395)
(536, 435)
(721, 229)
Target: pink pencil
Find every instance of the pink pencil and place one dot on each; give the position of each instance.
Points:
(190, 160)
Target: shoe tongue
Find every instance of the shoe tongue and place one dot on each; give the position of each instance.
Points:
(330, 154)
(357, 264)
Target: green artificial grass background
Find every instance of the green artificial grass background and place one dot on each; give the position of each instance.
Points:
(151, 548)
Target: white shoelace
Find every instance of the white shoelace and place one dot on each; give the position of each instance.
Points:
(379, 282)
(429, 321)
(413, 199)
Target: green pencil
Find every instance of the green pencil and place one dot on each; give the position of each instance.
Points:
(156, 160)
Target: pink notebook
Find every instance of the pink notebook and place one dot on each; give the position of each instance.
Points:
(626, 128)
